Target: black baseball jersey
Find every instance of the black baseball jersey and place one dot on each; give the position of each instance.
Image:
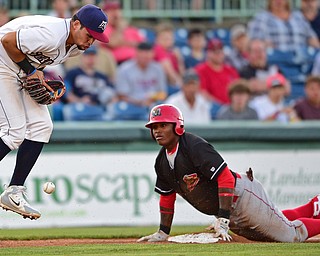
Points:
(194, 176)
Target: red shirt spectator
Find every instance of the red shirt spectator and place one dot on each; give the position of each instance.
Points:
(125, 51)
(123, 37)
(308, 108)
(162, 54)
(215, 75)
(167, 55)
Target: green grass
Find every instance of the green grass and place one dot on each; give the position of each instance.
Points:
(89, 232)
(144, 249)
(171, 249)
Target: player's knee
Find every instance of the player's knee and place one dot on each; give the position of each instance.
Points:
(301, 231)
(48, 128)
(15, 137)
(41, 131)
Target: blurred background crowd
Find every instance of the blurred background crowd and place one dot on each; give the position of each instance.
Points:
(265, 67)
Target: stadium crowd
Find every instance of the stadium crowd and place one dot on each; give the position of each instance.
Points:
(267, 69)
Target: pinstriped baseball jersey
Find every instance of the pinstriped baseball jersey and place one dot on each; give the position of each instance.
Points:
(196, 168)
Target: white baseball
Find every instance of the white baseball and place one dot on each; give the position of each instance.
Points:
(49, 187)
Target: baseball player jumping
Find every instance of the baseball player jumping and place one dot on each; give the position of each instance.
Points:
(190, 166)
(29, 44)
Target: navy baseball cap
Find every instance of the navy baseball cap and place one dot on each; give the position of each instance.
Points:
(95, 21)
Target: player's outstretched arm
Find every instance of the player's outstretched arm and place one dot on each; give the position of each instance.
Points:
(166, 218)
(226, 183)
(163, 233)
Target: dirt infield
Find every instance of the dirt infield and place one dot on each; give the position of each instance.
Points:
(62, 242)
(66, 242)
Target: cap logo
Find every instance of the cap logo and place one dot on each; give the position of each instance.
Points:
(103, 25)
(156, 112)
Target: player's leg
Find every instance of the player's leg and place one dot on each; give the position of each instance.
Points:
(13, 128)
(256, 217)
(27, 156)
(38, 130)
(312, 225)
(309, 210)
(12, 116)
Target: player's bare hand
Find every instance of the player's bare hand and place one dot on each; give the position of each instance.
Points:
(221, 228)
(38, 74)
(159, 236)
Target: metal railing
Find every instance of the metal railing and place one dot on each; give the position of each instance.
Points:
(217, 10)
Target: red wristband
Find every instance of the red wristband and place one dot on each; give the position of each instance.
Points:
(166, 212)
(226, 194)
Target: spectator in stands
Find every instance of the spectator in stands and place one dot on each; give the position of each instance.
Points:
(239, 94)
(215, 75)
(169, 57)
(257, 70)
(4, 16)
(280, 29)
(238, 56)
(271, 106)
(88, 91)
(104, 63)
(197, 44)
(308, 108)
(140, 83)
(190, 101)
(309, 9)
(123, 37)
(60, 9)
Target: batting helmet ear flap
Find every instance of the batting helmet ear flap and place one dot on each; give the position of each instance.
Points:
(179, 129)
(167, 113)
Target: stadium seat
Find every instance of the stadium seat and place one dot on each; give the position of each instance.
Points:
(185, 50)
(307, 57)
(297, 91)
(83, 112)
(295, 65)
(126, 111)
(56, 111)
(220, 33)
(149, 34)
(214, 110)
(181, 37)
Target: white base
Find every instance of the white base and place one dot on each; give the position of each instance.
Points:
(201, 238)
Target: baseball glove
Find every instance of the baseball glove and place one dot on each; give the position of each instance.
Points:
(45, 92)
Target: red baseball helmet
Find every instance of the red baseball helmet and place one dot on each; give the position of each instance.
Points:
(167, 113)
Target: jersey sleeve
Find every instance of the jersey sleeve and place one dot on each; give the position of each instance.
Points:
(207, 160)
(35, 39)
(162, 187)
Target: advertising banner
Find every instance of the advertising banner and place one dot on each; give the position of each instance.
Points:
(104, 188)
